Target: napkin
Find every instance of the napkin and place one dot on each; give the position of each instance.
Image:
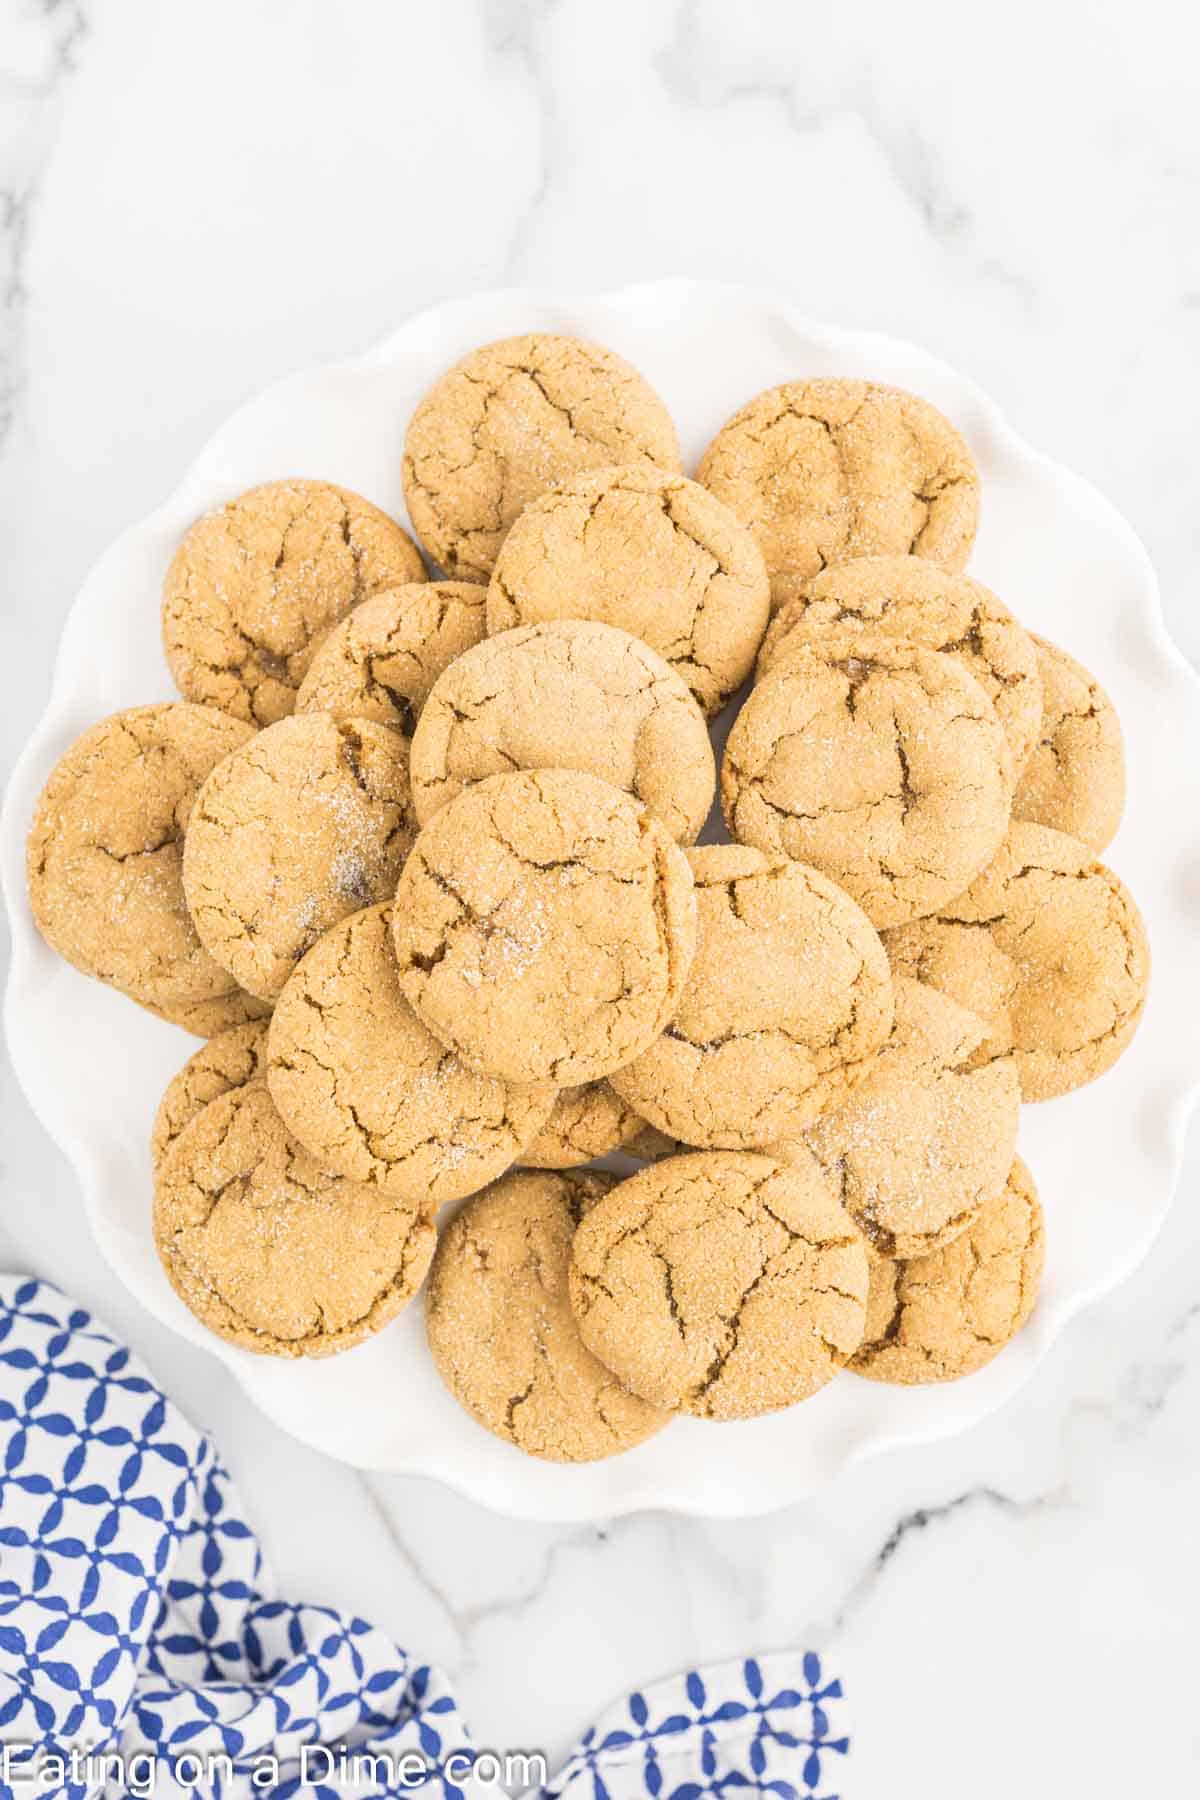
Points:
(144, 1652)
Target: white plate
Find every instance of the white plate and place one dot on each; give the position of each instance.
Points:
(1105, 1159)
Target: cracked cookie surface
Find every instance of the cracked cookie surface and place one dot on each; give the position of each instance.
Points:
(568, 694)
(382, 660)
(910, 597)
(267, 1249)
(1075, 779)
(506, 423)
(229, 1060)
(825, 471)
(544, 926)
(942, 1316)
(105, 849)
(256, 584)
(648, 551)
(880, 763)
(372, 1093)
(585, 1122)
(502, 1333)
(1048, 948)
(307, 822)
(723, 1284)
(787, 1002)
(928, 1139)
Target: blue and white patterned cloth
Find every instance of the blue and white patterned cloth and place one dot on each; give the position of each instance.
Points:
(140, 1654)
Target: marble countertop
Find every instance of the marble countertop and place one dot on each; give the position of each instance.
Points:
(197, 199)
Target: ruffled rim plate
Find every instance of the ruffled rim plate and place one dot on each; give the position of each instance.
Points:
(1106, 1158)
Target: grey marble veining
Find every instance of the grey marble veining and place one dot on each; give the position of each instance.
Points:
(196, 199)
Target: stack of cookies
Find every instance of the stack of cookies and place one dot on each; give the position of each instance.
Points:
(418, 856)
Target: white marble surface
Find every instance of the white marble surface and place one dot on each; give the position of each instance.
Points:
(198, 198)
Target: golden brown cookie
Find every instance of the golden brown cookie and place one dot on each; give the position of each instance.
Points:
(722, 1284)
(307, 822)
(374, 1095)
(586, 1122)
(928, 1138)
(501, 1328)
(209, 1018)
(381, 662)
(1049, 949)
(105, 847)
(569, 694)
(651, 1145)
(255, 586)
(944, 1315)
(880, 763)
(545, 924)
(787, 1003)
(824, 471)
(1075, 779)
(229, 1060)
(910, 597)
(648, 551)
(268, 1250)
(505, 424)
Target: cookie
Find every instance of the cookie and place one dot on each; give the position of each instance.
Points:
(787, 1002)
(371, 1093)
(229, 1060)
(569, 694)
(825, 471)
(648, 551)
(105, 848)
(545, 924)
(307, 822)
(256, 584)
(209, 1018)
(941, 1316)
(1049, 949)
(381, 662)
(586, 1122)
(267, 1249)
(909, 597)
(878, 762)
(722, 1284)
(652, 1145)
(509, 421)
(1075, 779)
(928, 1138)
(502, 1332)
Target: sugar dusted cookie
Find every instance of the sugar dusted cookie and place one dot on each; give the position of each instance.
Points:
(648, 551)
(944, 1315)
(506, 423)
(545, 924)
(270, 1251)
(1049, 949)
(255, 586)
(569, 694)
(825, 471)
(309, 821)
(230, 1060)
(209, 1018)
(502, 1332)
(722, 1284)
(104, 856)
(373, 1094)
(1075, 779)
(928, 1138)
(787, 1002)
(585, 1122)
(880, 763)
(910, 597)
(382, 660)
